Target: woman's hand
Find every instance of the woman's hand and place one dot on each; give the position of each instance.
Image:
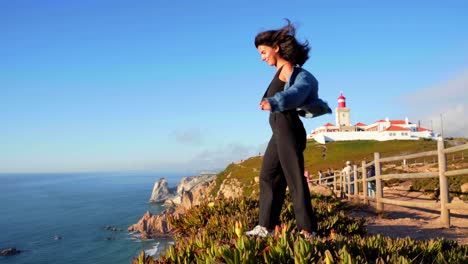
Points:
(265, 105)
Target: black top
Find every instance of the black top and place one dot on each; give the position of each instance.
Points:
(276, 84)
(287, 118)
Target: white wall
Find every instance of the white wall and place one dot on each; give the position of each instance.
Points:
(368, 135)
(344, 136)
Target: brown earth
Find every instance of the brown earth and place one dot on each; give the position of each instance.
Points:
(417, 223)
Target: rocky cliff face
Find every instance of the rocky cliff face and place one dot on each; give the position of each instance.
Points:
(151, 225)
(230, 188)
(189, 192)
(161, 191)
(173, 196)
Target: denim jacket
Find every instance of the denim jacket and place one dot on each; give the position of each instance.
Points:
(300, 93)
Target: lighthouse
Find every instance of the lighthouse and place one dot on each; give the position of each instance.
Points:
(341, 101)
(342, 113)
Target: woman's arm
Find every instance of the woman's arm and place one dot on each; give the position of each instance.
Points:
(303, 87)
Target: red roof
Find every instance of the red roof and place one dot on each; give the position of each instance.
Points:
(396, 128)
(370, 128)
(423, 129)
(393, 122)
(329, 124)
(360, 124)
(398, 122)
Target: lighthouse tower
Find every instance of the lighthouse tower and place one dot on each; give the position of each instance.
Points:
(342, 113)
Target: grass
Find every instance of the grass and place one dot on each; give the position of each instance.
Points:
(209, 233)
(320, 157)
(244, 172)
(214, 233)
(337, 153)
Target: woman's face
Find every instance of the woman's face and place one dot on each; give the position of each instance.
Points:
(269, 55)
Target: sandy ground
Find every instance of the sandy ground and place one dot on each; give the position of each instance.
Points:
(399, 221)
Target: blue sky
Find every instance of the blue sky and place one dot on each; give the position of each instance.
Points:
(175, 85)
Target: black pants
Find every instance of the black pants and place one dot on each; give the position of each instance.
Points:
(283, 165)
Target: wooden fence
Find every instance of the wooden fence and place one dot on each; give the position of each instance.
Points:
(348, 186)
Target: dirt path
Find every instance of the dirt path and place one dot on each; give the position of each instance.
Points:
(399, 221)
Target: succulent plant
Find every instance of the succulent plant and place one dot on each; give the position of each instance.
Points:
(213, 233)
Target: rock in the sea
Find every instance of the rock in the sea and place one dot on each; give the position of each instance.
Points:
(173, 196)
(151, 225)
(9, 251)
(111, 228)
(190, 192)
(160, 192)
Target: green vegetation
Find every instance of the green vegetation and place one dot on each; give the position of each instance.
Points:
(337, 153)
(213, 232)
(320, 157)
(245, 172)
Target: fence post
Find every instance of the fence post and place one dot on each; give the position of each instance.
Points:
(334, 181)
(364, 181)
(348, 184)
(443, 182)
(355, 185)
(378, 184)
(342, 189)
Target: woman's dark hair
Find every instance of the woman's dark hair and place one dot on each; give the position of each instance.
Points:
(289, 48)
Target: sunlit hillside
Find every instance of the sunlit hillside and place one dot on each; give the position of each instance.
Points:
(331, 155)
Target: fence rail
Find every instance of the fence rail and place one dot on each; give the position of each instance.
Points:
(348, 186)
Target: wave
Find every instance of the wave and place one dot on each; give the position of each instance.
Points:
(152, 251)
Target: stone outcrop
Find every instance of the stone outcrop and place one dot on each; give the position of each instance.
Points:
(111, 228)
(230, 188)
(9, 251)
(464, 187)
(195, 196)
(173, 196)
(190, 192)
(161, 191)
(151, 225)
(464, 190)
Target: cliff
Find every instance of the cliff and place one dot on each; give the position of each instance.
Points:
(173, 196)
(161, 191)
(189, 192)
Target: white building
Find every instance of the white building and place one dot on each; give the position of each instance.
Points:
(380, 130)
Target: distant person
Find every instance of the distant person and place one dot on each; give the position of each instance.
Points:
(370, 184)
(292, 92)
(348, 171)
(321, 180)
(329, 174)
(308, 179)
(307, 176)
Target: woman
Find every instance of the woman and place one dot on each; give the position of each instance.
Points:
(321, 180)
(292, 92)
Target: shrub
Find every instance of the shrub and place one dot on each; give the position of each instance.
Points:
(213, 232)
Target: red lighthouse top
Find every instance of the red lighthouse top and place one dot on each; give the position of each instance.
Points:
(341, 101)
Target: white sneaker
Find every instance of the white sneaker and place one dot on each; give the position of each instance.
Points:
(259, 231)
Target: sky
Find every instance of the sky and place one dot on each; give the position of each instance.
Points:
(175, 85)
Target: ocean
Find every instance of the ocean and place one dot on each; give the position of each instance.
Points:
(60, 218)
